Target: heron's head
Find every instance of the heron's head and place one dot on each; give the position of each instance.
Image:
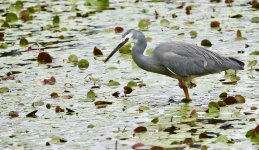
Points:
(132, 36)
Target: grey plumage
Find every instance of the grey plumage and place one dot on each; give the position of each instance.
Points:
(177, 59)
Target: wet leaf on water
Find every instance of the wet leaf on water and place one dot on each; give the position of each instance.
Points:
(126, 49)
(157, 148)
(97, 4)
(83, 64)
(214, 24)
(254, 52)
(50, 81)
(223, 95)
(4, 90)
(137, 145)
(32, 114)
(25, 16)
(230, 100)
(255, 20)
(118, 29)
(193, 34)
(213, 107)
(69, 111)
(54, 95)
(188, 10)
(116, 94)
(155, 120)
(140, 129)
(13, 114)
(91, 94)
(97, 103)
(5, 25)
(222, 139)
(48, 106)
(164, 23)
(132, 84)
(90, 126)
(67, 96)
(239, 36)
(253, 108)
(97, 52)
(11, 17)
(18, 5)
(236, 16)
(188, 141)
(58, 109)
(174, 15)
(171, 129)
(211, 121)
(240, 99)
(144, 24)
(251, 64)
(206, 42)
(58, 139)
(38, 103)
(47, 144)
(23, 42)
(255, 5)
(253, 134)
(44, 58)
(226, 126)
(143, 108)
(205, 135)
(113, 83)
(55, 21)
(1, 36)
(73, 59)
(3, 46)
(156, 14)
(127, 89)
(221, 103)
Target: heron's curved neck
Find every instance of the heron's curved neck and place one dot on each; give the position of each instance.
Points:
(144, 62)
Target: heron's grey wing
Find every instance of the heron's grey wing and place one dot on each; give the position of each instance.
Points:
(186, 59)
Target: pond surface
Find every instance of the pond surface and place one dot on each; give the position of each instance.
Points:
(154, 104)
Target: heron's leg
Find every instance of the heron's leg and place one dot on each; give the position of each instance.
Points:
(182, 84)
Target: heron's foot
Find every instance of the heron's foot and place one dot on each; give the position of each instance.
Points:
(192, 85)
(186, 100)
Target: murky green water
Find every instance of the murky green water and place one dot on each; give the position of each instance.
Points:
(78, 34)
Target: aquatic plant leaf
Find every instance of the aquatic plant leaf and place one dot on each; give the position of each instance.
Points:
(83, 64)
(11, 17)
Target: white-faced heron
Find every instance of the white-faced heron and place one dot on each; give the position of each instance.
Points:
(178, 60)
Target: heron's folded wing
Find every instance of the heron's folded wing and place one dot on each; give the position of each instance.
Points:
(186, 66)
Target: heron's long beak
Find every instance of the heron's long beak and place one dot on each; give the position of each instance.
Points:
(116, 49)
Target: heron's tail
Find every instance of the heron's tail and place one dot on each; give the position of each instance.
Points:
(236, 64)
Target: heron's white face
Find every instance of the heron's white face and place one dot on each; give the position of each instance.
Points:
(131, 39)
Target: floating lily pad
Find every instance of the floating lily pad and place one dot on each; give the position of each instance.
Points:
(23, 42)
(255, 20)
(83, 64)
(11, 17)
(126, 49)
(73, 59)
(164, 22)
(193, 34)
(113, 83)
(144, 24)
(55, 21)
(206, 42)
(44, 57)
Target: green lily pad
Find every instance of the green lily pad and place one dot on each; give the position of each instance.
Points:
(23, 42)
(83, 64)
(11, 17)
